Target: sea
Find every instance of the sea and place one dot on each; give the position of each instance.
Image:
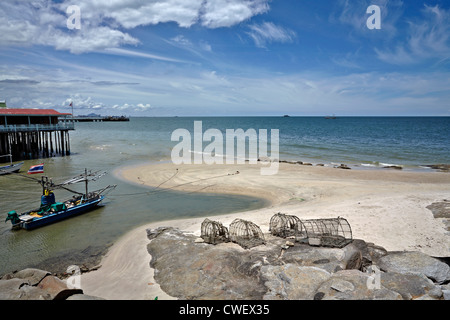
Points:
(363, 143)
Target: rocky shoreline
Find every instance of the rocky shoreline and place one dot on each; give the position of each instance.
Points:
(36, 284)
(281, 269)
(188, 269)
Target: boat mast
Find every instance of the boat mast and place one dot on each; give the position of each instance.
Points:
(86, 181)
(10, 154)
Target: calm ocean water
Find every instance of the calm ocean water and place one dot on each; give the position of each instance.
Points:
(360, 142)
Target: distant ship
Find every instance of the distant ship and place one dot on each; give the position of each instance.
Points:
(330, 117)
(286, 116)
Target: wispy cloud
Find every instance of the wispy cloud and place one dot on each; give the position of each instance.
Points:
(268, 32)
(145, 55)
(353, 13)
(428, 38)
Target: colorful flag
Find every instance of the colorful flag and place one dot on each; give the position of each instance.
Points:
(39, 168)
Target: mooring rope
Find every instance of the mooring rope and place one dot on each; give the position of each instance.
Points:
(176, 186)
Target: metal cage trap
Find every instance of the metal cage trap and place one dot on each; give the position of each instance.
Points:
(334, 232)
(246, 234)
(214, 232)
(286, 226)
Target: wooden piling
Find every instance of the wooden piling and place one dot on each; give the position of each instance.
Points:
(35, 144)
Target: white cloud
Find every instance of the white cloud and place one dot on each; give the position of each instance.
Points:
(268, 32)
(140, 107)
(42, 23)
(226, 13)
(103, 22)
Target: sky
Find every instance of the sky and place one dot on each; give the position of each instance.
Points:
(227, 57)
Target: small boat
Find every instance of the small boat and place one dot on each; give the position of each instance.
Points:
(11, 168)
(330, 117)
(51, 211)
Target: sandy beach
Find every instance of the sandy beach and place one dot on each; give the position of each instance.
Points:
(383, 206)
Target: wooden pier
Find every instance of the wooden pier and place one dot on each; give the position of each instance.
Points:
(95, 118)
(34, 133)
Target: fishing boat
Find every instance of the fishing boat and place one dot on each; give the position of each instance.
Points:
(11, 168)
(51, 211)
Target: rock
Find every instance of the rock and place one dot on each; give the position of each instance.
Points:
(34, 276)
(199, 240)
(20, 289)
(440, 209)
(153, 233)
(328, 259)
(343, 286)
(57, 288)
(83, 297)
(353, 285)
(439, 167)
(416, 262)
(10, 288)
(190, 271)
(446, 294)
(410, 286)
(36, 284)
(352, 257)
(187, 270)
(393, 167)
(374, 252)
(343, 166)
(289, 243)
(292, 282)
(435, 293)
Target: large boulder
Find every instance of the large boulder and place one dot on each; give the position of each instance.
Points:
(33, 276)
(190, 270)
(34, 284)
(411, 286)
(353, 285)
(292, 282)
(416, 263)
(57, 288)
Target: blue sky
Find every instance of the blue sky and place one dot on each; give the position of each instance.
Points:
(227, 57)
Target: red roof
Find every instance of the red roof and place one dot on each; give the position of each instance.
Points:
(31, 112)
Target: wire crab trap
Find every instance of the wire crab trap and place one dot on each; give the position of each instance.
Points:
(214, 232)
(246, 234)
(284, 226)
(335, 232)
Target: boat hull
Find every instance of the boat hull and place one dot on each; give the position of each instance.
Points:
(11, 168)
(61, 215)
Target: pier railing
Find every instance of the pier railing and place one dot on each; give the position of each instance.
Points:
(37, 127)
